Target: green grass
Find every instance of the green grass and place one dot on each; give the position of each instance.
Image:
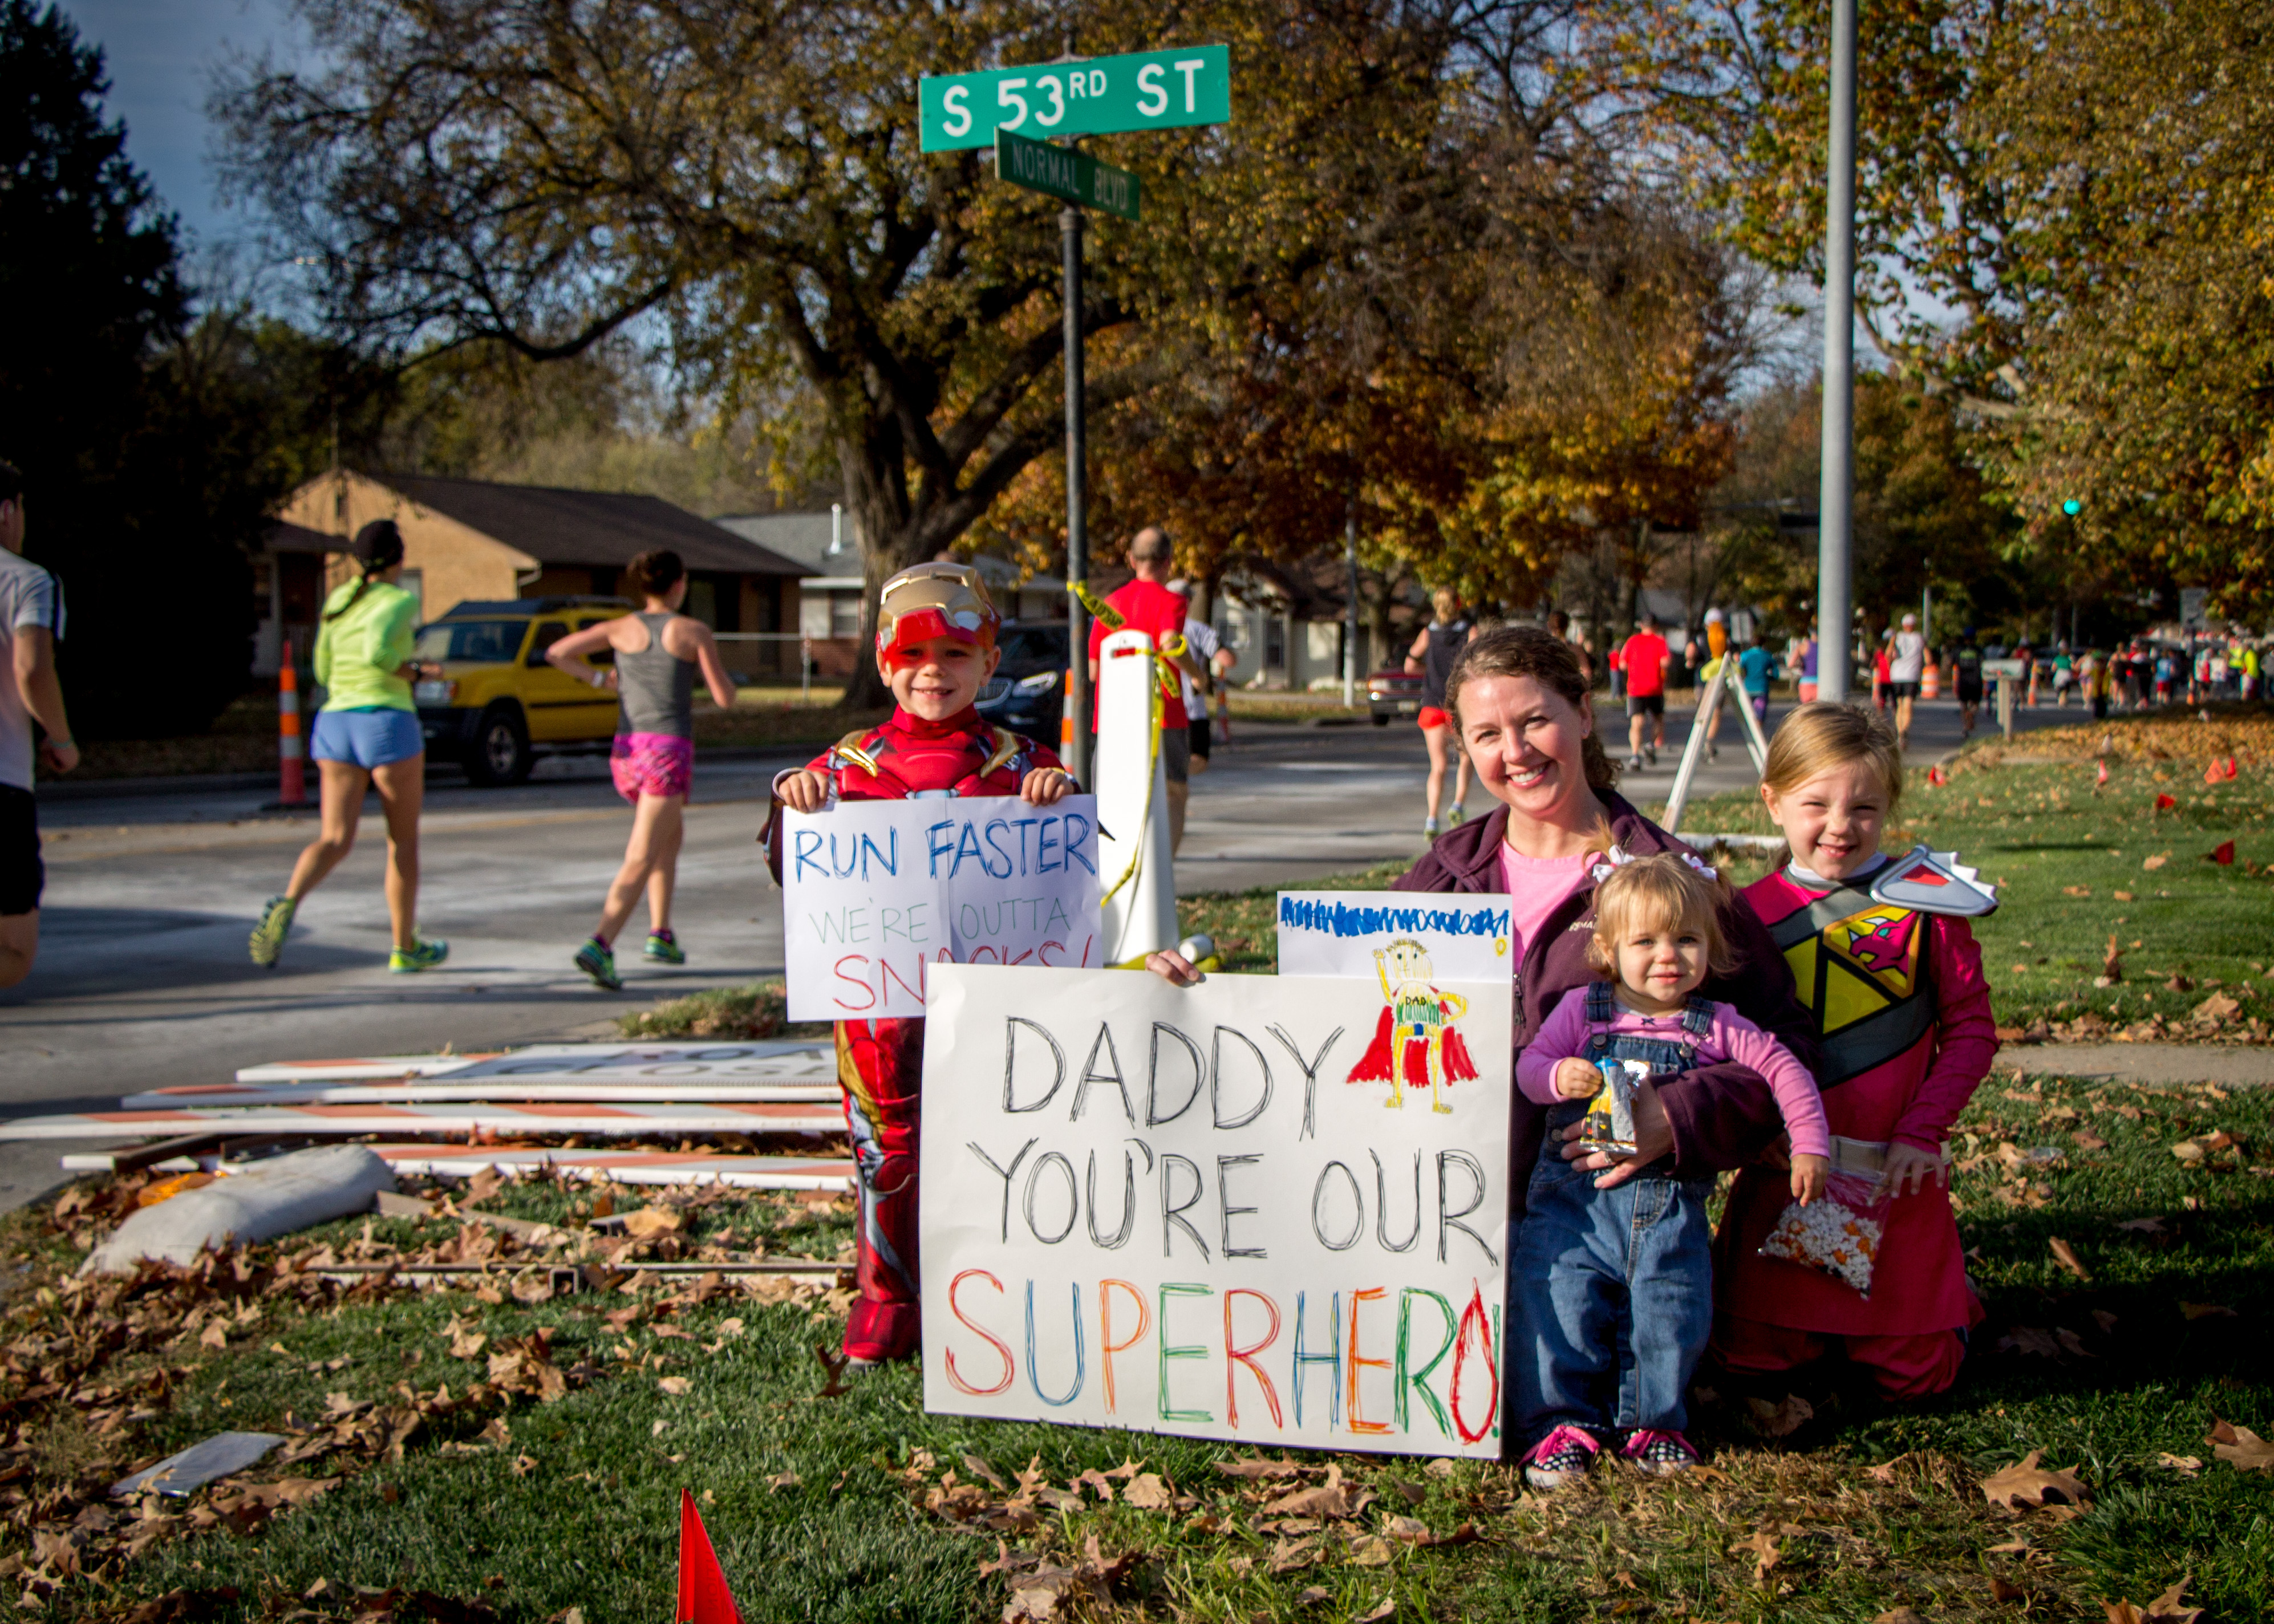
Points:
(2060, 854)
(577, 1507)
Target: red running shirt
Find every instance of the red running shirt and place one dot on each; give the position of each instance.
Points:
(1148, 606)
(1646, 655)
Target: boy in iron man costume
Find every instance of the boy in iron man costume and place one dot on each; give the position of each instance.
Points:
(936, 630)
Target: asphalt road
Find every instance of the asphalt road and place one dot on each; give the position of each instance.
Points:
(143, 979)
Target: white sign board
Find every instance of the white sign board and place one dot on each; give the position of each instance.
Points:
(1341, 932)
(876, 892)
(1193, 1210)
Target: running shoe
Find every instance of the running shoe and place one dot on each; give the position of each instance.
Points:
(663, 947)
(268, 935)
(1562, 1457)
(1650, 750)
(596, 960)
(1661, 1453)
(1453, 814)
(420, 955)
(1429, 827)
(1634, 764)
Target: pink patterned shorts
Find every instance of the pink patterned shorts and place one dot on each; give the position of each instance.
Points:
(651, 764)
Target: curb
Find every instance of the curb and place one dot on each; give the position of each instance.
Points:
(232, 782)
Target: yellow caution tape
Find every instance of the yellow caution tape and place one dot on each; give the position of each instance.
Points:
(1100, 610)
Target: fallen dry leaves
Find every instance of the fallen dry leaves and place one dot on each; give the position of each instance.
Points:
(2168, 1606)
(2027, 1486)
(2239, 1447)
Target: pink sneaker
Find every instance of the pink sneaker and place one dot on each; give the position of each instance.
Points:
(1562, 1457)
(1659, 1452)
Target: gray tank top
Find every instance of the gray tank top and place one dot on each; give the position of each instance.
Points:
(657, 687)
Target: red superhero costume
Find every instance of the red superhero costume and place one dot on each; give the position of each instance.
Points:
(880, 1062)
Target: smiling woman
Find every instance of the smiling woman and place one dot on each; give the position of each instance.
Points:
(1519, 696)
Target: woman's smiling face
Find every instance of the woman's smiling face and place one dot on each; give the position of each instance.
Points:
(1524, 739)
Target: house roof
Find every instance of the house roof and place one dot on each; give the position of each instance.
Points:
(801, 536)
(555, 526)
(284, 535)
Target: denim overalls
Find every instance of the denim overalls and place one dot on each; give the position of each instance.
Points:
(1610, 1288)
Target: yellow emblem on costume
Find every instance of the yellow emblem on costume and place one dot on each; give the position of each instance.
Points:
(1857, 966)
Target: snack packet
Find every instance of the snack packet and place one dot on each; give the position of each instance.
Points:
(1609, 1124)
(1838, 1234)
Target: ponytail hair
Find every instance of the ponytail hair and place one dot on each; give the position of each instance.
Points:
(378, 547)
(654, 573)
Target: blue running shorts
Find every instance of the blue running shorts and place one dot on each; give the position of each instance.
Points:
(373, 737)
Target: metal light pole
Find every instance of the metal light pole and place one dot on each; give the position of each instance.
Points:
(1077, 483)
(1350, 627)
(1834, 587)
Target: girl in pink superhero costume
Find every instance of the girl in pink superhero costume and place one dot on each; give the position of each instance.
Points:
(936, 630)
(1904, 1011)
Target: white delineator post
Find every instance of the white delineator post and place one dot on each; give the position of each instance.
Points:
(1132, 803)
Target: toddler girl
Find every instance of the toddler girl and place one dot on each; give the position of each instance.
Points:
(1613, 1286)
(1901, 1000)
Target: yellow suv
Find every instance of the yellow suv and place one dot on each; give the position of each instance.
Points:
(499, 703)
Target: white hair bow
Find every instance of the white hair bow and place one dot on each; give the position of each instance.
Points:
(1618, 857)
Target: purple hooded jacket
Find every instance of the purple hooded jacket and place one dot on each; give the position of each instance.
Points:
(1722, 1116)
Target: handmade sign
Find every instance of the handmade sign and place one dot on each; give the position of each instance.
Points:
(1340, 932)
(876, 892)
(1184, 1210)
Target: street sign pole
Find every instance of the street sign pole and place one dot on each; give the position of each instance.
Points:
(1077, 483)
(1062, 100)
(1834, 634)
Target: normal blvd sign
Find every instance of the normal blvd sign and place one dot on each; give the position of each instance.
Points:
(1062, 172)
(1150, 90)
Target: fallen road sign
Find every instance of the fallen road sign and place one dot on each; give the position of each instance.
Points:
(347, 1121)
(773, 1058)
(432, 1091)
(623, 1167)
(636, 1167)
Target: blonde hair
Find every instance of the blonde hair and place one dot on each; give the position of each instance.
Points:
(1822, 735)
(1658, 892)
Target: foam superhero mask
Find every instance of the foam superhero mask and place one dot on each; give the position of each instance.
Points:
(933, 601)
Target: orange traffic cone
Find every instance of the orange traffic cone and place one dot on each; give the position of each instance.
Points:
(703, 1597)
(291, 753)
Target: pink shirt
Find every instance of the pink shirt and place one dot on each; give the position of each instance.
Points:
(1564, 1035)
(1536, 887)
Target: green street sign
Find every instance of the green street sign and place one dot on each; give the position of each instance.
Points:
(1150, 90)
(1063, 172)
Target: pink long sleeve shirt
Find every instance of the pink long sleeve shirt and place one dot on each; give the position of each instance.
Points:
(1565, 1035)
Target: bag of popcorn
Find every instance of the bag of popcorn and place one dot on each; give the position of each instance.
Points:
(1839, 1233)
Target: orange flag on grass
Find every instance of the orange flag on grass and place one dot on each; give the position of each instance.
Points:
(703, 1597)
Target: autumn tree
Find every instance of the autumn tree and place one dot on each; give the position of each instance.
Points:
(2081, 186)
(745, 179)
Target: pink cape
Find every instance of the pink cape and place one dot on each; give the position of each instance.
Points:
(1374, 1066)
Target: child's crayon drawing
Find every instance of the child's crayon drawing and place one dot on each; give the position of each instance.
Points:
(1416, 1038)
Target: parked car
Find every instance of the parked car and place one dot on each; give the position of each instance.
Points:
(499, 703)
(1026, 693)
(1392, 693)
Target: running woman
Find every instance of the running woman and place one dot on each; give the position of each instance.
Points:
(1431, 659)
(1906, 670)
(366, 736)
(658, 651)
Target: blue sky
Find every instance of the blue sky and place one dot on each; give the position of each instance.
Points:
(162, 54)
